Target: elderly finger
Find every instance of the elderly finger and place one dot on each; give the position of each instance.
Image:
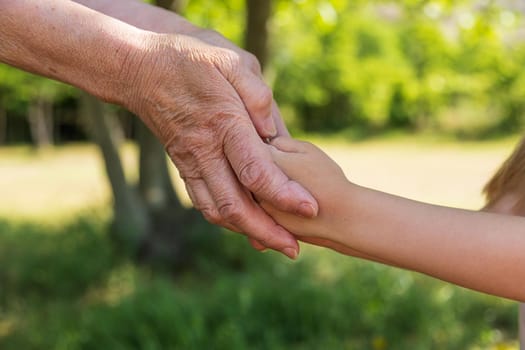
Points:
(258, 99)
(282, 130)
(236, 207)
(251, 160)
(202, 201)
(257, 245)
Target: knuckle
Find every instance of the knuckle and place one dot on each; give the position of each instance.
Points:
(236, 132)
(224, 120)
(282, 197)
(265, 97)
(231, 211)
(253, 176)
(263, 241)
(180, 146)
(229, 61)
(252, 169)
(211, 215)
(259, 100)
(191, 147)
(252, 62)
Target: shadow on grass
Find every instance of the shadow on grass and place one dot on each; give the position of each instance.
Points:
(66, 288)
(41, 261)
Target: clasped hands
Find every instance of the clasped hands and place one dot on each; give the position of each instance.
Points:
(206, 101)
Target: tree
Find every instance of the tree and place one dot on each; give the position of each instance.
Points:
(32, 96)
(131, 221)
(40, 117)
(148, 218)
(258, 13)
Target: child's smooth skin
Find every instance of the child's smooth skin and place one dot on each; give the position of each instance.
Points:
(478, 250)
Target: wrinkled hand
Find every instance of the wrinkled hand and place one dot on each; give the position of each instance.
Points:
(195, 98)
(264, 119)
(265, 116)
(259, 118)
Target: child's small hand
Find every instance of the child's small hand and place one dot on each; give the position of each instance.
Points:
(319, 174)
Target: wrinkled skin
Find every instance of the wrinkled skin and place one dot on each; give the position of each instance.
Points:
(263, 113)
(199, 102)
(206, 103)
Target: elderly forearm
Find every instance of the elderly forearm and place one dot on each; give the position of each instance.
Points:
(71, 43)
(481, 251)
(142, 15)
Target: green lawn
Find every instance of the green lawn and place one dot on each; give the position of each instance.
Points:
(70, 179)
(63, 285)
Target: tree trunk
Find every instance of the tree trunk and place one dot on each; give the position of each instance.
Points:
(40, 116)
(155, 182)
(174, 5)
(172, 224)
(116, 129)
(174, 229)
(258, 13)
(178, 5)
(167, 4)
(131, 218)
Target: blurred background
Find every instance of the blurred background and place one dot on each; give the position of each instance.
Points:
(100, 249)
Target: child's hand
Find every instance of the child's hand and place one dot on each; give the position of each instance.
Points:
(313, 169)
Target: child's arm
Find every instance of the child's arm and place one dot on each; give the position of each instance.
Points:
(477, 250)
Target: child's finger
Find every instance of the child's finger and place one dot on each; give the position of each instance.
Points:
(291, 163)
(287, 144)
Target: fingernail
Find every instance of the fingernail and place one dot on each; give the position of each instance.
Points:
(307, 210)
(290, 252)
(269, 127)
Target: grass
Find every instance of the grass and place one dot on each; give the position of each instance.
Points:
(63, 286)
(69, 180)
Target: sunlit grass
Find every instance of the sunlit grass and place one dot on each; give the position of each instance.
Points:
(66, 180)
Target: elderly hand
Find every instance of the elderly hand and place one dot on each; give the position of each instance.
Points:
(264, 115)
(195, 97)
(159, 20)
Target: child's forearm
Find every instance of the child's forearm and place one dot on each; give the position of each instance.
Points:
(481, 251)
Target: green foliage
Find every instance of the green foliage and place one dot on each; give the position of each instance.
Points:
(339, 65)
(18, 89)
(226, 16)
(234, 298)
(450, 66)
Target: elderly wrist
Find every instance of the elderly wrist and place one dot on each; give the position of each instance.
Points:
(110, 68)
(132, 79)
